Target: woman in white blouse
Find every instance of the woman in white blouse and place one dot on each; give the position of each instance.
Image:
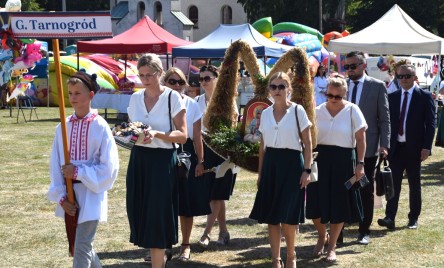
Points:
(193, 192)
(320, 85)
(341, 126)
(151, 178)
(222, 188)
(284, 169)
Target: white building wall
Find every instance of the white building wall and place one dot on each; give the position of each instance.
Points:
(210, 14)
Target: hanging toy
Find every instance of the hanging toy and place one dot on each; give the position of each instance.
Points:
(30, 56)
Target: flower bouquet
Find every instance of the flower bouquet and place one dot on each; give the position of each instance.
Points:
(128, 134)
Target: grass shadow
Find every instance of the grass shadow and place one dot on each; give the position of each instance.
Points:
(432, 174)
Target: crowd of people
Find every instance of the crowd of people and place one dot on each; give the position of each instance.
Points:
(354, 128)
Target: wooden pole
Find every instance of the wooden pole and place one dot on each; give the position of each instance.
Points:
(58, 73)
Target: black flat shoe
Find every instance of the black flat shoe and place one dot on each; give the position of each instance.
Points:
(387, 222)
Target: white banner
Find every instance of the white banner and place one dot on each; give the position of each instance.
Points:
(63, 25)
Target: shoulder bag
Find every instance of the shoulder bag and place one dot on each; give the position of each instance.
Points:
(183, 158)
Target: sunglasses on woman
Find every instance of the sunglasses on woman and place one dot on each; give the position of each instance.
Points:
(206, 79)
(279, 87)
(336, 97)
(351, 66)
(172, 82)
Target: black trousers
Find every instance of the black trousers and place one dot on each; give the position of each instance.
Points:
(399, 162)
(367, 197)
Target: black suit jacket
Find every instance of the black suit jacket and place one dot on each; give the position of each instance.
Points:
(420, 122)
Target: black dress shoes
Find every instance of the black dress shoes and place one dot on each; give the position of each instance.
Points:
(387, 222)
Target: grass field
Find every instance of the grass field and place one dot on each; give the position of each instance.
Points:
(31, 236)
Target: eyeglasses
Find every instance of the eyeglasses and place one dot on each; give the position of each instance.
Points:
(142, 76)
(352, 66)
(172, 81)
(206, 79)
(402, 76)
(280, 87)
(336, 97)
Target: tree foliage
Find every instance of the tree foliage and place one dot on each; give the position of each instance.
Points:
(78, 5)
(299, 11)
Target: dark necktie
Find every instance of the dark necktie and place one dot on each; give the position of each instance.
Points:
(402, 116)
(355, 89)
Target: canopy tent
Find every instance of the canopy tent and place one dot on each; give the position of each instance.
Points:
(215, 44)
(394, 33)
(144, 37)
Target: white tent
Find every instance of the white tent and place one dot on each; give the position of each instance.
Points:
(394, 33)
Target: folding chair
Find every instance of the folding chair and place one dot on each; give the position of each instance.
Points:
(25, 103)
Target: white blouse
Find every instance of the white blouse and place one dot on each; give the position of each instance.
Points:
(337, 130)
(193, 114)
(320, 87)
(158, 118)
(283, 134)
(93, 150)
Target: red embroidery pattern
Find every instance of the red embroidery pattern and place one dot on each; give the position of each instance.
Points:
(79, 136)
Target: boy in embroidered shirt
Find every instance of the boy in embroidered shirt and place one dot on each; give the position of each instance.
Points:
(93, 169)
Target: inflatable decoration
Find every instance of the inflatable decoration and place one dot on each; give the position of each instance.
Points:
(264, 26)
(296, 28)
(334, 35)
(221, 117)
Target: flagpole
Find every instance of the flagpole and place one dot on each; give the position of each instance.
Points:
(70, 221)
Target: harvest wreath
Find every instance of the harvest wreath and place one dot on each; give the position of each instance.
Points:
(224, 136)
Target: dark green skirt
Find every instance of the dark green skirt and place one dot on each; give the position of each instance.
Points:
(280, 198)
(220, 188)
(194, 193)
(151, 198)
(328, 198)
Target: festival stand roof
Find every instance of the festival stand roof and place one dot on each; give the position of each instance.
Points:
(215, 44)
(394, 33)
(144, 37)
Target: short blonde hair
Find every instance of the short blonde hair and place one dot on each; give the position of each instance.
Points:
(151, 60)
(280, 75)
(339, 82)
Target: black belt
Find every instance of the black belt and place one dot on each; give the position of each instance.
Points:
(402, 144)
(76, 181)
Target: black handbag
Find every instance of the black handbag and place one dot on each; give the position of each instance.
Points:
(384, 180)
(183, 158)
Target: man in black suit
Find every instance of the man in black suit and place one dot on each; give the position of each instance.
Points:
(412, 117)
(370, 95)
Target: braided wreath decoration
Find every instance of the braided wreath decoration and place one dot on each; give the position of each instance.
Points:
(221, 116)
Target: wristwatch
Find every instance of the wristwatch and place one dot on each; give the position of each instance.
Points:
(361, 162)
(307, 170)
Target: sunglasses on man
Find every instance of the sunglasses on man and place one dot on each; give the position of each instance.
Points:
(402, 76)
(351, 66)
(279, 87)
(206, 79)
(172, 82)
(331, 96)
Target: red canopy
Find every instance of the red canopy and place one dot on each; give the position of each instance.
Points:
(144, 37)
